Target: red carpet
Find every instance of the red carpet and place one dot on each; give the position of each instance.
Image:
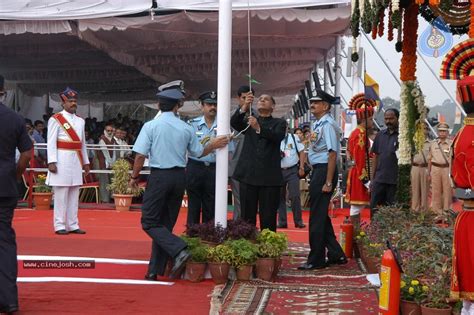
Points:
(112, 234)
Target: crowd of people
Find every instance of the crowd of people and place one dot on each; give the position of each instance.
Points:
(267, 161)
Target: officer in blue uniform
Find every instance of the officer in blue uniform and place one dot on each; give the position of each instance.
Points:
(323, 152)
(166, 140)
(13, 135)
(201, 171)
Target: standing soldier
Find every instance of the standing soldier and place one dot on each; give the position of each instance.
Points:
(201, 171)
(323, 152)
(419, 175)
(358, 152)
(13, 135)
(67, 156)
(292, 152)
(165, 140)
(438, 164)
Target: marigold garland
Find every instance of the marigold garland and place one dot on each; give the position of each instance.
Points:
(471, 25)
(410, 37)
(390, 24)
(374, 31)
(381, 22)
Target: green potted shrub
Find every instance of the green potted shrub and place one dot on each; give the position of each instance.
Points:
(412, 292)
(271, 246)
(245, 256)
(42, 193)
(436, 301)
(219, 259)
(196, 265)
(122, 193)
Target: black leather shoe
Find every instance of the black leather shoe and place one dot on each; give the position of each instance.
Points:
(151, 276)
(339, 261)
(179, 262)
(78, 231)
(62, 232)
(300, 225)
(311, 266)
(282, 226)
(10, 309)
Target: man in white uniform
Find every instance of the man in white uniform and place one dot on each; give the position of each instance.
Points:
(67, 156)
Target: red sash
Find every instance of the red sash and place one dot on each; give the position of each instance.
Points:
(75, 144)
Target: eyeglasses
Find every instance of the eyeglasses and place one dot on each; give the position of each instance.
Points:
(109, 130)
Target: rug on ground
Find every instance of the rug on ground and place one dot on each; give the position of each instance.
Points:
(333, 290)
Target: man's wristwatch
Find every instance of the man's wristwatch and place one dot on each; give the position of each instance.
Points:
(328, 184)
(134, 178)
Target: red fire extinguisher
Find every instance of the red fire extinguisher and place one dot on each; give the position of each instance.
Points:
(346, 237)
(389, 300)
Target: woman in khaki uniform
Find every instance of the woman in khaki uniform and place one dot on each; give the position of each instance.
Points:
(441, 190)
(419, 175)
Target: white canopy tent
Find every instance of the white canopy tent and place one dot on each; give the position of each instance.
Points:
(125, 58)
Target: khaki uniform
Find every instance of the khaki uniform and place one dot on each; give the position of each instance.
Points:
(441, 190)
(419, 179)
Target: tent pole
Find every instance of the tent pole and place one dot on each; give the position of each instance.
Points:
(223, 110)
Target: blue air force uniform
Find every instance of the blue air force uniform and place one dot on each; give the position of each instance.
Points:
(201, 173)
(165, 140)
(324, 139)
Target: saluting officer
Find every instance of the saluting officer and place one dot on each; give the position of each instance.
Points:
(201, 171)
(323, 152)
(166, 140)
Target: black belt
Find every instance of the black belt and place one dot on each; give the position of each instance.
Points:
(319, 165)
(287, 168)
(439, 165)
(201, 163)
(167, 169)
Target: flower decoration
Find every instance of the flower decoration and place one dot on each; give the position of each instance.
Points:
(40, 185)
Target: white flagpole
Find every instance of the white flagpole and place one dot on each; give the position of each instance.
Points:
(223, 108)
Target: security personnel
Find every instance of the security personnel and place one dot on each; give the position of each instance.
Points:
(462, 172)
(165, 140)
(438, 164)
(323, 152)
(13, 135)
(201, 171)
(292, 168)
(67, 157)
(419, 175)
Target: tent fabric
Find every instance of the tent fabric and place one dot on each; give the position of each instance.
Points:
(38, 27)
(70, 10)
(213, 5)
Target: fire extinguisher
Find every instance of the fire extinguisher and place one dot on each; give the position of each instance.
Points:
(346, 237)
(390, 271)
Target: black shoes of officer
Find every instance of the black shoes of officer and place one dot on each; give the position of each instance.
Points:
(179, 262)
(300, 225)
(339, 261)
(78, 231)
(10, 309)
(151, 276)
(62, 232)
(282, 226)
(307, 266)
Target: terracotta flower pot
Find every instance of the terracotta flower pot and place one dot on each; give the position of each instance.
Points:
(244, 273)
(195, 271)
(276, 269)
(265, 267)
(425, 310)
(42, 200)
(122, 202)
(219, 272)
(409, 308)
(372, 264)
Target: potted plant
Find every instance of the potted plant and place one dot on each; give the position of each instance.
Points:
(196, 265)
(122, 193)
(270, 247)
(245, 256)
(412, 292)
(219, 259)
(237, 229)
(208, 232)
(42, 193)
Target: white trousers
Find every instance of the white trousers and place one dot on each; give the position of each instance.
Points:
(356, 209)
(467, 308)
(66, 204)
